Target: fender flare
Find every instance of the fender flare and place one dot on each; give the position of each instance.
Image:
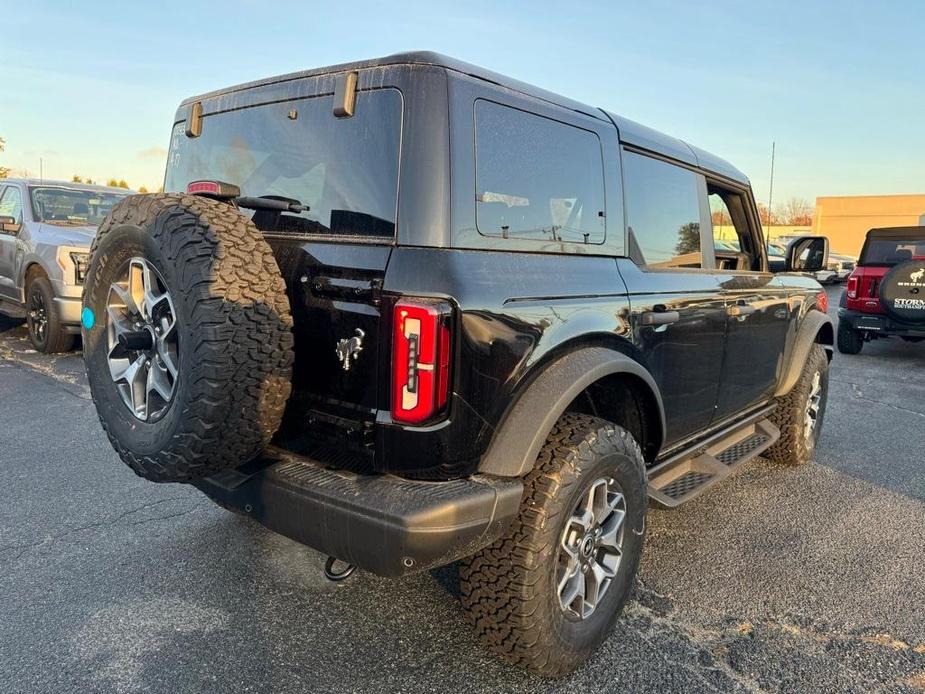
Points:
(518, 441)
(813, 323)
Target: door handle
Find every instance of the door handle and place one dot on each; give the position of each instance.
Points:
(659, 317)
(741, 310)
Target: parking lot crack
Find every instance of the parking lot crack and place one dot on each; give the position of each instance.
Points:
(24, 548)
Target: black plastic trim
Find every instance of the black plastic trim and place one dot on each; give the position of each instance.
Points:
(384, 524)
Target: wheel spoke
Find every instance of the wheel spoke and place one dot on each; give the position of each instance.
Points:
(572, 588)
(611, 531)
(158, 383)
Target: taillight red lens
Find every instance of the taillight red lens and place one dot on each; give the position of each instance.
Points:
(822, 302)
(421, 347)
(853, 286)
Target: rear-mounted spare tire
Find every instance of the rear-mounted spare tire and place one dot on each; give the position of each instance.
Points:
(187, 336)
(902, 292)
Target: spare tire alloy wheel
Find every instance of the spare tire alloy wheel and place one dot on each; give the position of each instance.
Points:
(142, 339)
(187, 336)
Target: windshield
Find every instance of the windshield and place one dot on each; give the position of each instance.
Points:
(344, 170)
(72, 205)
(889, 252)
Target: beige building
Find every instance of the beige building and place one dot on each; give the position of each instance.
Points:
(846, 219)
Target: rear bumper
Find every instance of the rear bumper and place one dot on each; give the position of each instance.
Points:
(879, 324)
(381, 523)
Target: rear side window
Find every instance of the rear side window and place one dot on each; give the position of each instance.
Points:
(537, 178)
(662, 204)
(344, 169)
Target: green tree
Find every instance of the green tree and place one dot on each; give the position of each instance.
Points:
(688, 239)
(122, 183)
(112, 183)
(4, 172)
(142, 189)
(76, 179)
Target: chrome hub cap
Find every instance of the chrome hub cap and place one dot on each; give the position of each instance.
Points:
(591, 548)
(142, 340)
(811, 417)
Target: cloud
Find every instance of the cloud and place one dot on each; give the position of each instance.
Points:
(153, 153)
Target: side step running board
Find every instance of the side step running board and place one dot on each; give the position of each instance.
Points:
(683, 477)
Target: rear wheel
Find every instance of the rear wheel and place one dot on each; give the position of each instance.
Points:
(546, 594)
(800, 413)
(46, 332)
(849, 340)
(189, 344)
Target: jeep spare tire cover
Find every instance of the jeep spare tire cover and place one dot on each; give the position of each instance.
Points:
(187, 336)
(902, 292)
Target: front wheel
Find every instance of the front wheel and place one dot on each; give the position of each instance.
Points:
(800, 412)
(546, 595)
(46, 332)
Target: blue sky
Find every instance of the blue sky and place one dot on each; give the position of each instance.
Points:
(91, 88)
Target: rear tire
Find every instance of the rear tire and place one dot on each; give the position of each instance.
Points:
(206, 278)
(849, 340)
(805, 402)
(46, 333)
(513, 590)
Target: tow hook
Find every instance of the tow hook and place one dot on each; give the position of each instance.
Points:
(337, 576)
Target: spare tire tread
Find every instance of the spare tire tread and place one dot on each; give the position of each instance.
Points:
(240, 345)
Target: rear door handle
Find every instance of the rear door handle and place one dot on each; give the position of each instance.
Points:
(659, 317)
(741, 310)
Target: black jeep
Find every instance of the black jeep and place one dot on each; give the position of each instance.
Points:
(408, 312)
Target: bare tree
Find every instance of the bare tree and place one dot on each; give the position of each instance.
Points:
(796, 211)
(767, 217)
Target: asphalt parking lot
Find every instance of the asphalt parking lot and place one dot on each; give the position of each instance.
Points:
(780, 580)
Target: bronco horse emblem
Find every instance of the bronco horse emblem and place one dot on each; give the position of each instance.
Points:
(917, 275)
(349, 348)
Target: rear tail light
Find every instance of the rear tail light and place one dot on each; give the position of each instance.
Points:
(822, 302)
(421, 347)
(853, 286)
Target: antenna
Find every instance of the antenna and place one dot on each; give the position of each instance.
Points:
(770, 193)
(41, 176)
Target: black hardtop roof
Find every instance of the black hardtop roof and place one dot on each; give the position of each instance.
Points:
(900, 233)
(630, 132)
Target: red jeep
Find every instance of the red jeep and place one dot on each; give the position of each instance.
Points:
(885, 294)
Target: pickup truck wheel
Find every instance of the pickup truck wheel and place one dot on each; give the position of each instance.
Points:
(849, 340)
(546, 594)
(45, 330)
(187, 336)
(800, 413)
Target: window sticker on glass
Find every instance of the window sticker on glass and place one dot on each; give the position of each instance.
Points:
(509, 200)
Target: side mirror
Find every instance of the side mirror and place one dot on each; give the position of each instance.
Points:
(9, 225)
(807, 254)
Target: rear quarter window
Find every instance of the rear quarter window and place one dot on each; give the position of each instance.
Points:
(537, 178)
(344, 169)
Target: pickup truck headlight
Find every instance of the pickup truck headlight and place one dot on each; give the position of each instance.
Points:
(81, 261)
(74, 264)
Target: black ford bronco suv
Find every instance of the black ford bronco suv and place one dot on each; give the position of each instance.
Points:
(885, 294)
(411, 312)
